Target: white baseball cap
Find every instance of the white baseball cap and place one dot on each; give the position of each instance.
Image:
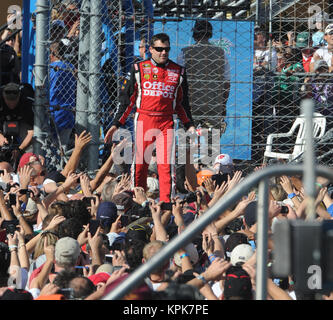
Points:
(241, 253)
(223, 159)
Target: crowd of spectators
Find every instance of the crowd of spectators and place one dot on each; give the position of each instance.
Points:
(288, 68)
(67, 236)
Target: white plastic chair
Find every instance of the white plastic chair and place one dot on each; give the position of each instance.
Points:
(319, 126)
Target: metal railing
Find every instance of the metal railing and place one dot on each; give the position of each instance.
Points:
(198, 225)
(308, 170)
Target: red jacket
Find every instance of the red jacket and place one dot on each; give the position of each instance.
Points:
(154, 89)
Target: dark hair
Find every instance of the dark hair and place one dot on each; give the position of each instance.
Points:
(82, 290)
(202, 30)
(78, 209)
(71, 227)
(163, 37)
(64, 277)
(237, 285)
(176, 291)
(134, 253)
(180, 179)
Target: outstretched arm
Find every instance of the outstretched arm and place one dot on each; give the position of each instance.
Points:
(81, 142)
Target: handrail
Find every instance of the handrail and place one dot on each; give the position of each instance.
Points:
(3, 27)
(198, 225)
(10, 36)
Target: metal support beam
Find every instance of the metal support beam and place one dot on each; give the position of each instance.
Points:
(95, 58)
(41, 75)
(262, 232)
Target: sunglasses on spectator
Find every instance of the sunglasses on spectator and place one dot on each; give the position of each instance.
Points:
(42, 174)
(307, 51)
(161, 49)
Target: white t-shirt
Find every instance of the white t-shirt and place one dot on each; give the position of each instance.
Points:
(261, 56)
(324, 54)
(216, 288)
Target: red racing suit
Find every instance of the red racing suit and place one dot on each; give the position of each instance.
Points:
(159, 93)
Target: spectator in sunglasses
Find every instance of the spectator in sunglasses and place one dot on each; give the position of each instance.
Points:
(16, 112)
(324, 53)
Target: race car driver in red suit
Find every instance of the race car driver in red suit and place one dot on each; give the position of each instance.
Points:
(157, 88)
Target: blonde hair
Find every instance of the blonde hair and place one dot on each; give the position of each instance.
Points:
(151, 248)
(278, 193)
(51, 237)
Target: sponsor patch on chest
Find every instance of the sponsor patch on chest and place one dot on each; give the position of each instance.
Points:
(158, 89)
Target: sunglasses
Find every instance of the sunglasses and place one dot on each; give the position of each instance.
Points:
(329, 33)
(161, 49)
(41, 174)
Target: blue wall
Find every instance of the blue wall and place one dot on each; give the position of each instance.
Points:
(237, 41)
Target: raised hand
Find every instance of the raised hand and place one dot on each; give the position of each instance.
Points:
(85, 185)
(209, 185)
(71, 179)
(139, 195)
(286, 184)
(216, 269)
(25, 176)
(6, 177)
(235, 180)
(82, 140)
(109, 134)
(207, 242)
(123, 184)
(49, 250)
(56, 220)
(116, 226)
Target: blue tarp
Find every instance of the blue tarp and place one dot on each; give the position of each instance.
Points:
(236, 37)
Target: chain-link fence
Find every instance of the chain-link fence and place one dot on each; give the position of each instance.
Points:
(252, 73)
(292, 62)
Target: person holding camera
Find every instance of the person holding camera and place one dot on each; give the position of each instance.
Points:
(16, 120)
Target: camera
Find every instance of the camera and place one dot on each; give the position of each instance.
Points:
(189, 198)
(79, 270)
(12, 199)
(68, 293)
(166, 206)
(220, 178)
(25, 191)
(234, 226)
(11, 227)
(284, 210)
(117, 246)
(87, 201)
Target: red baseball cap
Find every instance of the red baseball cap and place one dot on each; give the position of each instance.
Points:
(99, 277)
(27, 158)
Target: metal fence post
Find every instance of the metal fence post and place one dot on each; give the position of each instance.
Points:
(81, 121)
(258, 12)
(262, 228)
(41, 74)
(95, 56)
(309, 178)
